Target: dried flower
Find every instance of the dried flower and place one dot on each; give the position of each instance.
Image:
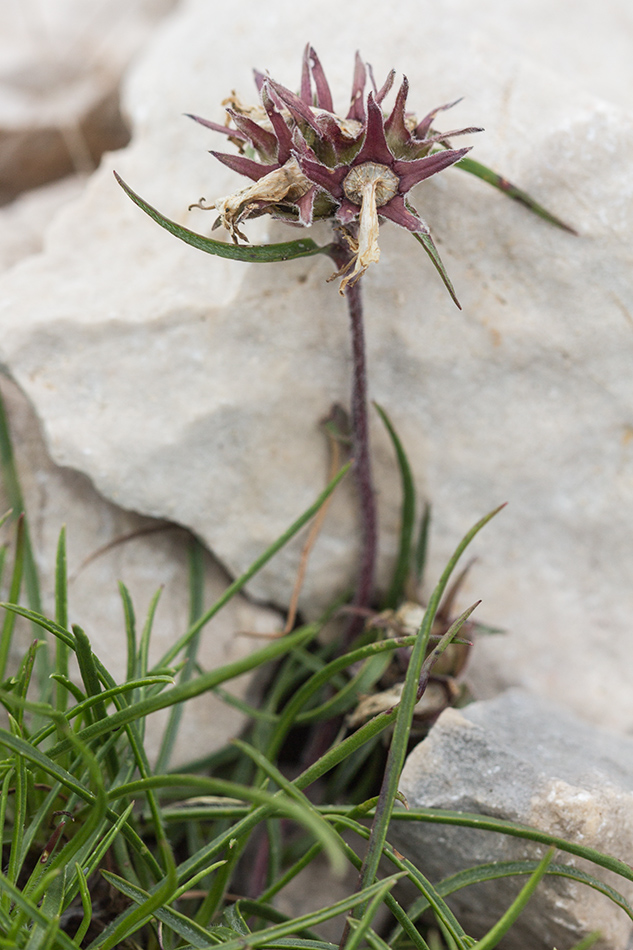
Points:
(314, 164)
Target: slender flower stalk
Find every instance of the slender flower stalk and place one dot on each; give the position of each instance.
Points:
(355, 170)
(307, 163)
(362, 462)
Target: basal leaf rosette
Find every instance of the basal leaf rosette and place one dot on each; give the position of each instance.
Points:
(308, 163)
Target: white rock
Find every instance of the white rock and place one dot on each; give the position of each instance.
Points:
(106, 544)
(60, 67)
(23, 221)
(189, 388)
(529, 762)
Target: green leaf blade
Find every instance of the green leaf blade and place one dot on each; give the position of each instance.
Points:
(517, 194)
(248, 253)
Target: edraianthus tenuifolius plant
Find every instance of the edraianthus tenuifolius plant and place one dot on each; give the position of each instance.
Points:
(315, 164)
(308, 163)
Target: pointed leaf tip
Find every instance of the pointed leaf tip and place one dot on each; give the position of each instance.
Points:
(428, 244)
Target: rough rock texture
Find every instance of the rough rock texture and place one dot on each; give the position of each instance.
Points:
(60, 68)
(529, 761)
(190, 388)
(106, 544)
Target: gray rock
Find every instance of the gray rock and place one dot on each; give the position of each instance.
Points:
(522, 759)
(190, 388)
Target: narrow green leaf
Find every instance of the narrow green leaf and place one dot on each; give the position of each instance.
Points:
(234, 919)
(14, 595)
(502, 869)
(16, 502)
(270, 935)
(515, 830)
(19, 815)
(428, 244)
(130, 629)
(502, 184)
(135, 917)
(292, 711)
(256, 254)
(61, 617)
(142, 662)
(495, 934)
(44, 938)
(313, 821)
(32, 911)
(443, 914)
(402, 570)
(422, 544)
(362, 925)
(184, 691)
(86, 904)
(88, 670)
(408, 701)
(588, 941)
(196, 607)
(53, 901)
(183, 926)
(89, 863)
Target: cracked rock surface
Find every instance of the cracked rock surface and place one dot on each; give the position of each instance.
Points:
(528, 761)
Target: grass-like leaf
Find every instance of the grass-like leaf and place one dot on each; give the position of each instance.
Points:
(402, 570)
(254, 254)
(16, 502)
(517, 194)
(61, 617)
(503, 869)
(409, 699)
(507, 920)
(6, 635)
(196, 609)
(329, 839)
(181, 925)
(428, 244)
(515, 830)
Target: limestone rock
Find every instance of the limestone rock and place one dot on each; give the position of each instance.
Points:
(190, 388)
(61, 64)
(522, 759)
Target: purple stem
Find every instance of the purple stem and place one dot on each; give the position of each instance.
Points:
(362, 463)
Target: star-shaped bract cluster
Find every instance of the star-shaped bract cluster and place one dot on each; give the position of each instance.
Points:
(301, 133)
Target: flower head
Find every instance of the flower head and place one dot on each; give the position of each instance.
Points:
(315, 164)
